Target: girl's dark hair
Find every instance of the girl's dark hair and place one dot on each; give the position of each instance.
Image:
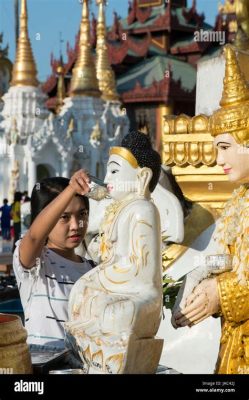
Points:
(46, 191)
(140, 146)
(17, 196)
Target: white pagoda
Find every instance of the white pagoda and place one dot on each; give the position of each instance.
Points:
(40, 144)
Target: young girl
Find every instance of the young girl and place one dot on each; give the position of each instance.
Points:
(44, 261)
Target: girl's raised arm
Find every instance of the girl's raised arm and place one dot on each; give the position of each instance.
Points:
(34, 240)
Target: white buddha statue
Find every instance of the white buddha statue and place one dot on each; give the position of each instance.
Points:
(115, 309)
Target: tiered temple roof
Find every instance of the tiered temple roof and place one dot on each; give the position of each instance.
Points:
(154, 32)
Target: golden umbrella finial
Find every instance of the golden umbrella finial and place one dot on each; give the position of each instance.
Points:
(105, 73)
(24, 69)
(233, 116)
(84, 79)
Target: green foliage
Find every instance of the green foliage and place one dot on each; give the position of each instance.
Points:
(170, 291)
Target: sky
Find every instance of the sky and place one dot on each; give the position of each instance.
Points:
(47, 18)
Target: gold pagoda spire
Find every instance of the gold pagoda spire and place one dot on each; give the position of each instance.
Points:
(61, 90)
(24, 69)
(233, 115)
(105, 73)
(84, 79)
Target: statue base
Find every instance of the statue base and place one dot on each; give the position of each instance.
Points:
(142, 357)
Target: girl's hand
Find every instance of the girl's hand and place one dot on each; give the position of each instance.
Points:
(80, 182)
(201, 304)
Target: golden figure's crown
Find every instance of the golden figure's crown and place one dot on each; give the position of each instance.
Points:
(233, 116)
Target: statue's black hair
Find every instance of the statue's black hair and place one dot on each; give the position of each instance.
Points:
(140, 146)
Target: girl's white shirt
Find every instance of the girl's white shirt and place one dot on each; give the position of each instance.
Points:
(44, 292)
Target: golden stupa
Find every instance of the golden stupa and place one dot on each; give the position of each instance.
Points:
(24, 69)
(84, 80)
(105, 74)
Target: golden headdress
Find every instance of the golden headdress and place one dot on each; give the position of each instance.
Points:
(233, 116)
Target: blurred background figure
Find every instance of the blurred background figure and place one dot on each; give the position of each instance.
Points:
(5, 219)
(25, 212)
(16, 216)
(25, 196)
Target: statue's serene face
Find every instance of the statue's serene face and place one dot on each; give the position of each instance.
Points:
(121, 177)
(233, 158)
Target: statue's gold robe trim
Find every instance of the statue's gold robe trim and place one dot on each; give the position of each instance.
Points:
(234, 346)
(233, 238)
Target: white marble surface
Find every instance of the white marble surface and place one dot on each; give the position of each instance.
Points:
(209, 85)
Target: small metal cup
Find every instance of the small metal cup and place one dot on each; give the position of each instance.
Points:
(98, 189)
(219, 263)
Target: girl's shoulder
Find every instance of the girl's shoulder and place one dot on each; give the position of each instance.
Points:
(20, 271)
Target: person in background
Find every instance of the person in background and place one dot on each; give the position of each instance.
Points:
(5, 219)
(25, 196)
(16, 216)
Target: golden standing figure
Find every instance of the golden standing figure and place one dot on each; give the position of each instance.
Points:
(228, 293)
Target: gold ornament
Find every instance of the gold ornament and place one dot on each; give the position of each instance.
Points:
(242, 16)
(70, 128)
(84, 79)
(105, 74)
(233, 116)
(61, 90)
(96, 134)
(227, 8)
(24, 70)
